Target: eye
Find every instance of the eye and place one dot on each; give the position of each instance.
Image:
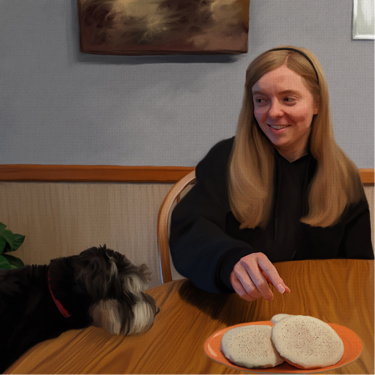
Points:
(289, 100)
(259, 100)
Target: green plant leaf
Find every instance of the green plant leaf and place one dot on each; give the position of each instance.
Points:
(17, 241)
(8, 237)
(9, 241)
(2, 227)
(13, 261)
(4, 264)
(13, 241)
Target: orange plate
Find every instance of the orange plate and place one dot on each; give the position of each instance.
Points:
(352, 350)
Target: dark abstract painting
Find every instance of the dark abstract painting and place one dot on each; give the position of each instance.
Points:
(144, 27)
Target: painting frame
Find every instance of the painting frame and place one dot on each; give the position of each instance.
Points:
(363, 20)
(162, 27)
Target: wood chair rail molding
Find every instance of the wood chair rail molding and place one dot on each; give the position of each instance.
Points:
(91, 173)
(109, 173)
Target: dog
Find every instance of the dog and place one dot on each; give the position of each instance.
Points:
(98, 287)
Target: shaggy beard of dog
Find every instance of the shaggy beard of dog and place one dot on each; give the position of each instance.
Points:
(115, 316)
(98, 287)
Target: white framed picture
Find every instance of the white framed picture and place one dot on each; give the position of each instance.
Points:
(363, 19)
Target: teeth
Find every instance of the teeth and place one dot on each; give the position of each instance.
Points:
(278, 127)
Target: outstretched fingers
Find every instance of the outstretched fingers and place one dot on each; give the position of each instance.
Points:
(239, 285)
(252, 275)
(272, 276)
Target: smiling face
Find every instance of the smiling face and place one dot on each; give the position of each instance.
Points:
(284, 109)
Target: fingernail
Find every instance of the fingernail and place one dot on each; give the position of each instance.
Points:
(280, 288)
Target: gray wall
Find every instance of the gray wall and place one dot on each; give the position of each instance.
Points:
(58, 106)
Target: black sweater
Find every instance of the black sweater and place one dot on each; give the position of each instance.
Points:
(206, 241)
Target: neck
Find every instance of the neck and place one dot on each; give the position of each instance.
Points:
(291, 156)
(58, 304)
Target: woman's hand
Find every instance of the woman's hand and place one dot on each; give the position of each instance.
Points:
(251, 275)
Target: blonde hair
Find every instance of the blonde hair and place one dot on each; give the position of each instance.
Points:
(336, 182)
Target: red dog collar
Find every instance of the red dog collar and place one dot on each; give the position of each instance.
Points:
(58, 304)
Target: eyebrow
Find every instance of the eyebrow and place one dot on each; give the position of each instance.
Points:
(280, 93)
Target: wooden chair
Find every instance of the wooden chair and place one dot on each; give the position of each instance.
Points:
(164, 223)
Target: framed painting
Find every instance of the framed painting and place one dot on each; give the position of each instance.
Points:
(150, 27)
(363, 19)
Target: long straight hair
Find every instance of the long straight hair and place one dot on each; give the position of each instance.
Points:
(336, 183)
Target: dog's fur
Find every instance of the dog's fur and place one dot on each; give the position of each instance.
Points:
(98, 287)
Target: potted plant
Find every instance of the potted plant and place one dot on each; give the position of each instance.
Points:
(9, 242)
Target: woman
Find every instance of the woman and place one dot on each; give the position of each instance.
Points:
(281, 190)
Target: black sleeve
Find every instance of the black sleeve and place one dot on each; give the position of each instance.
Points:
(200, 248)
(357, 242)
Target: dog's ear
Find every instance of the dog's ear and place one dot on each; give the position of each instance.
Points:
(145, 271)
(98, 272)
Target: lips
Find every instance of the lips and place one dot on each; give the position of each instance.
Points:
(278, 127)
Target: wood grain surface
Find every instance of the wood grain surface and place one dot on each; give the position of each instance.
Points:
(336, 291)
(110, 173)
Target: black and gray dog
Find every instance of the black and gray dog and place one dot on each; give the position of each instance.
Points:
(98, 287)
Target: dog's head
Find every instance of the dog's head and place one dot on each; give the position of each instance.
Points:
(114, 288)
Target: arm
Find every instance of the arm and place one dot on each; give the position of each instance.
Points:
(356, 243)
(200, 248)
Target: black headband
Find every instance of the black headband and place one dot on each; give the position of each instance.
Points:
(301, 53)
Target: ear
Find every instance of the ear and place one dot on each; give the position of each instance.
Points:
(145, 271)
(316, 107)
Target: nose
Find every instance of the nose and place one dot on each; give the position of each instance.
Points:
(275, 109)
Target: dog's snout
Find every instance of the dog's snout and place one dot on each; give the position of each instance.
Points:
(152, 303)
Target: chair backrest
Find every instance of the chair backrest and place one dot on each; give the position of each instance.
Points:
(164, 222)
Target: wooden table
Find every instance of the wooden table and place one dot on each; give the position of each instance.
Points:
(336, 291)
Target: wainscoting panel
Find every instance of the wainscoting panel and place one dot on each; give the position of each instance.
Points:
(63, 219)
